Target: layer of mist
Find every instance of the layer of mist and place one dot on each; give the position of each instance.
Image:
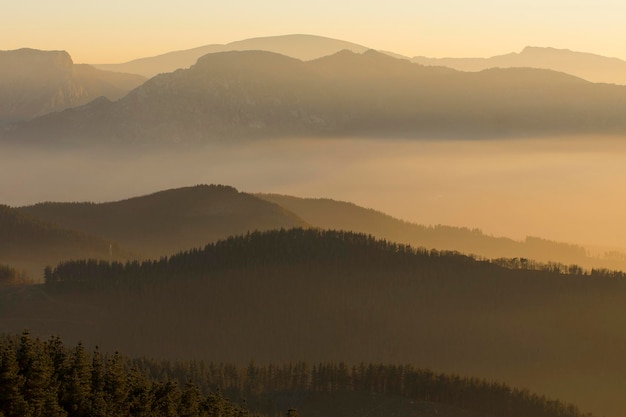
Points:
(564, 189)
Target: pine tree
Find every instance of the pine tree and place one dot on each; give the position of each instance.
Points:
(139, 395)
(116, 386)
(57, 354)
(38, 389)
(76, 398)
(12, 402)
(215, 405)
(166, 399)
(98, 405)
(190, 401)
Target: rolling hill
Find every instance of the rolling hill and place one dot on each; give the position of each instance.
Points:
(335, 296)
(330, 214)
(178, 219)
(169, 221)
(254, 94)
(34, 82)
(303, 47)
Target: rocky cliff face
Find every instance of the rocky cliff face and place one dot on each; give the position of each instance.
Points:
(33, 83)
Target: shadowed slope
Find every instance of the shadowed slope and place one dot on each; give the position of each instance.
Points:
(169, 221)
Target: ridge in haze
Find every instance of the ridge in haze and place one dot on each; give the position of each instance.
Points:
(299, 46)
(34, 83)
(257, 94)
(591, 67)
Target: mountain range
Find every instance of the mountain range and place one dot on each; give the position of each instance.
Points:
(33, 83)
(591, 67)
(256, 94)
(302, 47)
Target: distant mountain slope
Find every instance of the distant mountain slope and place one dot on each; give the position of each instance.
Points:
(109, 81)
(330, 296)
(255, 94)
(304, 47)
(30, 244)
(339, 215)
(169, 221)
(591, 67)
(33, 83)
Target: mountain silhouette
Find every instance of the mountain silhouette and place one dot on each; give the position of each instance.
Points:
(33, 83)
(591, 67)
(256, 94)
(303, 47)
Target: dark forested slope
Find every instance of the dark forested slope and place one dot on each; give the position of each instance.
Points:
(314, 295)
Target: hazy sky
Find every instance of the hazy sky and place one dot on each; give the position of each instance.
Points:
(116, 31)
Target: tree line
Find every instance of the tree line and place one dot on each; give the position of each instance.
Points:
(46, 378)
(312, 248)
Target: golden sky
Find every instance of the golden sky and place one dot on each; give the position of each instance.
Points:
(117, 31)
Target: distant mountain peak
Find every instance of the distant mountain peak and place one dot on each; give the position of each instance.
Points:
(530, 48)
(299, 46)
(29, 63)
(591, 67)
(34, 83)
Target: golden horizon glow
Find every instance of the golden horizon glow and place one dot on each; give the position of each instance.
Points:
(116, 31)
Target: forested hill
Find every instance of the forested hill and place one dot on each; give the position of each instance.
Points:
(331, 214)
(49, 379)
(169, 221)
(29, 244)
(305, 294)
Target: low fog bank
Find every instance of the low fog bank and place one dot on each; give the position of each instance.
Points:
(565, 189)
